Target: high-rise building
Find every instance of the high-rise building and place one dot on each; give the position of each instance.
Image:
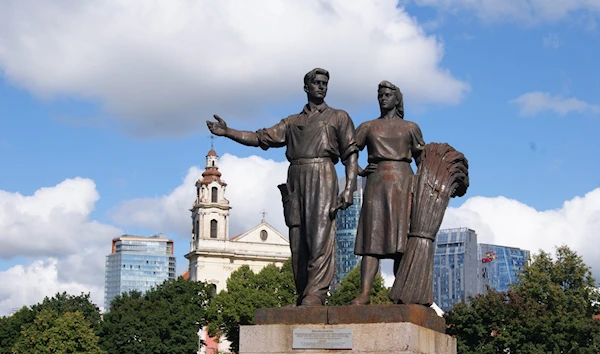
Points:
(500, 265)
(455, 266)
(137, 263)
(345, 234)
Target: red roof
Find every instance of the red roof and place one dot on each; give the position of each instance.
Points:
(211, 173)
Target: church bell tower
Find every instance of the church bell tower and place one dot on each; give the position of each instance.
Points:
(210, 211)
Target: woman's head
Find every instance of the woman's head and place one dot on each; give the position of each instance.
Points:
(390, 97)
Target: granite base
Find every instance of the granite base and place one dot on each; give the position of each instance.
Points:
(375, 329)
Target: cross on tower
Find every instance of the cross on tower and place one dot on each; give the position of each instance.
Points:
(264, 213)
(212, 141)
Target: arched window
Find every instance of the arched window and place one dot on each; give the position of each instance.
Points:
(214, 195)
(213, 228)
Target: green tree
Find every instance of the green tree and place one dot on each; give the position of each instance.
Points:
(350, 288)
(549, 310)
(246, 292)
(164, 320)
(10, 328)
(52, 333)
(61, 303)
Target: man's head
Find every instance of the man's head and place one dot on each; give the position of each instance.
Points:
(315, 83)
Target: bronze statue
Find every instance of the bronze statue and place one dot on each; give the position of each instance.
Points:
(392, 143)
(402, 212)
(316, 139)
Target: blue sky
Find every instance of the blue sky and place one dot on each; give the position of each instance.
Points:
(122, 104)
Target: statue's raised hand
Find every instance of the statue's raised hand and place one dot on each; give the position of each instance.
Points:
(218, 128)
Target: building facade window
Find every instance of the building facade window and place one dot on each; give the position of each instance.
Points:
(214, 195)
(213, 228)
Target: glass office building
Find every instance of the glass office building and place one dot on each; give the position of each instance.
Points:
(345, 235)
(137, 263)
(500, 265)
(455, 266)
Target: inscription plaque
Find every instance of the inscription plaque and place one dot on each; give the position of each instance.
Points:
(306, 338)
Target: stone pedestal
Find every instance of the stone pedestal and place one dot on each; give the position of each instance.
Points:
(374, 329)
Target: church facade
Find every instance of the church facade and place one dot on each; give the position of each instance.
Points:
(213, 254)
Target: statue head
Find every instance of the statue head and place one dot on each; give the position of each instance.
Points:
(390, 97)
(315, 84)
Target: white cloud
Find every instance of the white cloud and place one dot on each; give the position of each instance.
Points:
(53, 226)
(54, 221)
(530, 12)
(251, 187)
(167, 214)
(26, 285)
(532, 103)
(164, 67)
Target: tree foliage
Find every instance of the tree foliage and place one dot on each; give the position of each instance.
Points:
(549, 310)
(350, 288)
(61, 303)
(52, 332)
(163, 320)
(10, 328)
(246, 292)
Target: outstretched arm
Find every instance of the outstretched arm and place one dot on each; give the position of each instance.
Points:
(220, 128)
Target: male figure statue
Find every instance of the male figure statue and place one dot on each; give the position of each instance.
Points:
(316, 138)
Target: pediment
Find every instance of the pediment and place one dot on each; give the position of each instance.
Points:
(263, 233)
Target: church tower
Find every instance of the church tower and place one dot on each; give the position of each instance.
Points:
(210, 211)
(210, 214)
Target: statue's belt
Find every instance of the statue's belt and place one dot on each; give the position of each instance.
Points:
(305, 161)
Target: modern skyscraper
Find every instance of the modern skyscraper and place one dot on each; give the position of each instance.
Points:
(500, 265)
(345, 234)
(137, 263)
(455, 266)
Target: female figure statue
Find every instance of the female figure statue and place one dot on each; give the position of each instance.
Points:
(392, 143)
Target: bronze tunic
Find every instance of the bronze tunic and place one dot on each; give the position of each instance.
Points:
(316, 139)
(384, 219)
